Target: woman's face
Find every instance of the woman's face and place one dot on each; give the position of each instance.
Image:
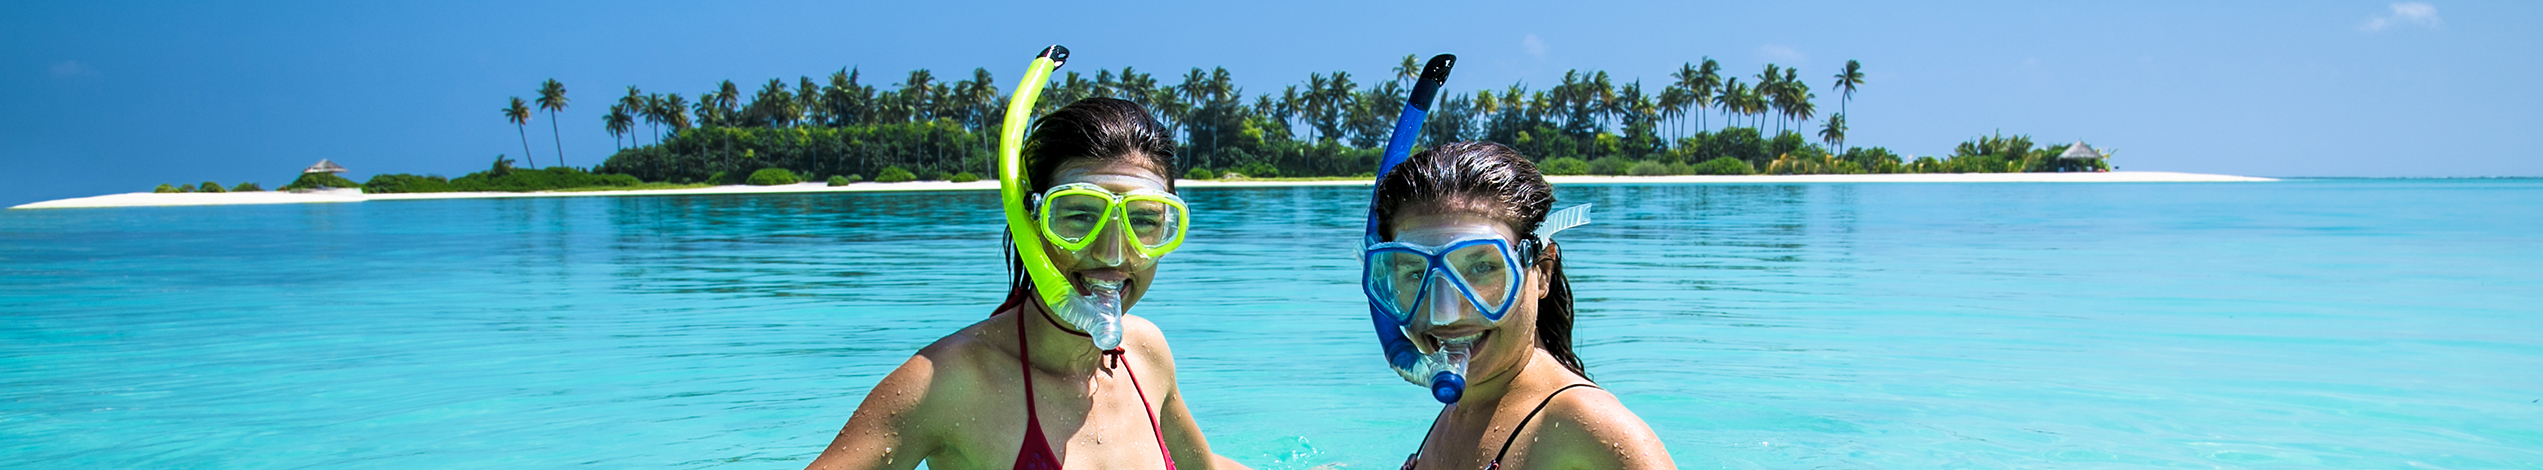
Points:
(1446, 317)
(1111, 258)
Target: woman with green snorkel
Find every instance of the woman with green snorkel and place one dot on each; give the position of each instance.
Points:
(1059, 374)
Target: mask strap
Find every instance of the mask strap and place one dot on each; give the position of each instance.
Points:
(1561, 220)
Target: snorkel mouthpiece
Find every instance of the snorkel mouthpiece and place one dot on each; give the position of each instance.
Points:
(1448, 387)
(1450, 383)
(1101, 310)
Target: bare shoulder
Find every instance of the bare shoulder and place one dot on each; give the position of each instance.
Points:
(896, 425)
(1588, 428)
(1147, 344)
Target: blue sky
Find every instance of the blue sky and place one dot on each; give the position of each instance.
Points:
(107, 97)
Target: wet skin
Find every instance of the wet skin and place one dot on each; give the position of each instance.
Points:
(1584, 428)
(959, 403)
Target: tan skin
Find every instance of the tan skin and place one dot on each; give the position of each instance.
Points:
(1585, 428)
(959, 403)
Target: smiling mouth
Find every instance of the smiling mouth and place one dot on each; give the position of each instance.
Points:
(1090, 281)
(1469, 339)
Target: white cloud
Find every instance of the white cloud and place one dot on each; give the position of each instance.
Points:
(2404, 14)
(1783, 54)
(72, 68)
(1535, 46)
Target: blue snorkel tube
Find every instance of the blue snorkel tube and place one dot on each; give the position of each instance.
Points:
(1445, 378)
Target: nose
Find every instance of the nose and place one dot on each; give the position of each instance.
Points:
(1444, 305)
(1108, 247)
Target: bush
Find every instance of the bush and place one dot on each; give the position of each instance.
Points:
(1259, 170)
(544, 179)
(939, 175)
(246, 187)
(1566, 166)
(406, 183)
(773, 177)
(185, 188)
(894, 174)
(1200, 174)
(836, 180)
(718, 179)
(209, 187)
(1610, 166)
(1681, 168)
(320, 180)
(1648, 168)
(963, 177)
(164, 188)
(1725, 166)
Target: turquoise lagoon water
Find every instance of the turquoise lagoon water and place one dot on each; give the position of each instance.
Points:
(2299, 324)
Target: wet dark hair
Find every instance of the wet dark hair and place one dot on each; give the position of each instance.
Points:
(1099, 129)
(1493, 180)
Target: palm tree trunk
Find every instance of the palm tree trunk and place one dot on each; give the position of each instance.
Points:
(525, 143)
(558, 135)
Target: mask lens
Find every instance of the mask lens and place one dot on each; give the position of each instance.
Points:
(1486, 271)
(1075, 216)
(1395, 280)
(1155, 223)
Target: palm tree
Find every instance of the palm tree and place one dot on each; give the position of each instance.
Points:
(1847, 79)
(1834, 131)
(633, 104)
(1708, 78)
(619, 124)
(519, 114)
(552, 98)
(1770, 91)
(1730, 98)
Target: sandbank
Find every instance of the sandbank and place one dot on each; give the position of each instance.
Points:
(278, 197)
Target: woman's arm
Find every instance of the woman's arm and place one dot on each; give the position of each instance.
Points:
(889, 430)
(1183, 435)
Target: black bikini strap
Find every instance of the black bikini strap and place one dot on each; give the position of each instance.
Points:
(1523, 423)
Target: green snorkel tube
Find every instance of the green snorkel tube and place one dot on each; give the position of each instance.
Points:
(1096, 313)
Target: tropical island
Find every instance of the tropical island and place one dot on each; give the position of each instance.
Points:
(1329, 128)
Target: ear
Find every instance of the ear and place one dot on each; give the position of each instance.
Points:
(1540, 276)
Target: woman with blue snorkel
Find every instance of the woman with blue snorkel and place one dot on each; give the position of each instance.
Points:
(1059, 374)
(1465, 267)
(1466, 288)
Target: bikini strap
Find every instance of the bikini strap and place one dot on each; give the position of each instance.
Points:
(1024, 356)
(1523, 424)
(1159, 431)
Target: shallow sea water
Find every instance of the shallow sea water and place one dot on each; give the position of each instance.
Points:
(2298, 324)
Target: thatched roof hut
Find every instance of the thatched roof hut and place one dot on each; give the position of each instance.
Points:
(324, 166)
(2079, 151)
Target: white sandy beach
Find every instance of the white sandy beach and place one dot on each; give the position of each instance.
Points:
(278, 197)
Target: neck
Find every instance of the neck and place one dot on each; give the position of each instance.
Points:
(1054, 348)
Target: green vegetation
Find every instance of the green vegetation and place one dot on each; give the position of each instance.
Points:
(894, 174)
(1724, 166)
(502, 177)
(209, 187)
(963, 177)
(1330, 124)
(844, 180)
(164, 188)
(246, 187)
(405, 183)
(1564, 166)
(773, 177)
(319, 181)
